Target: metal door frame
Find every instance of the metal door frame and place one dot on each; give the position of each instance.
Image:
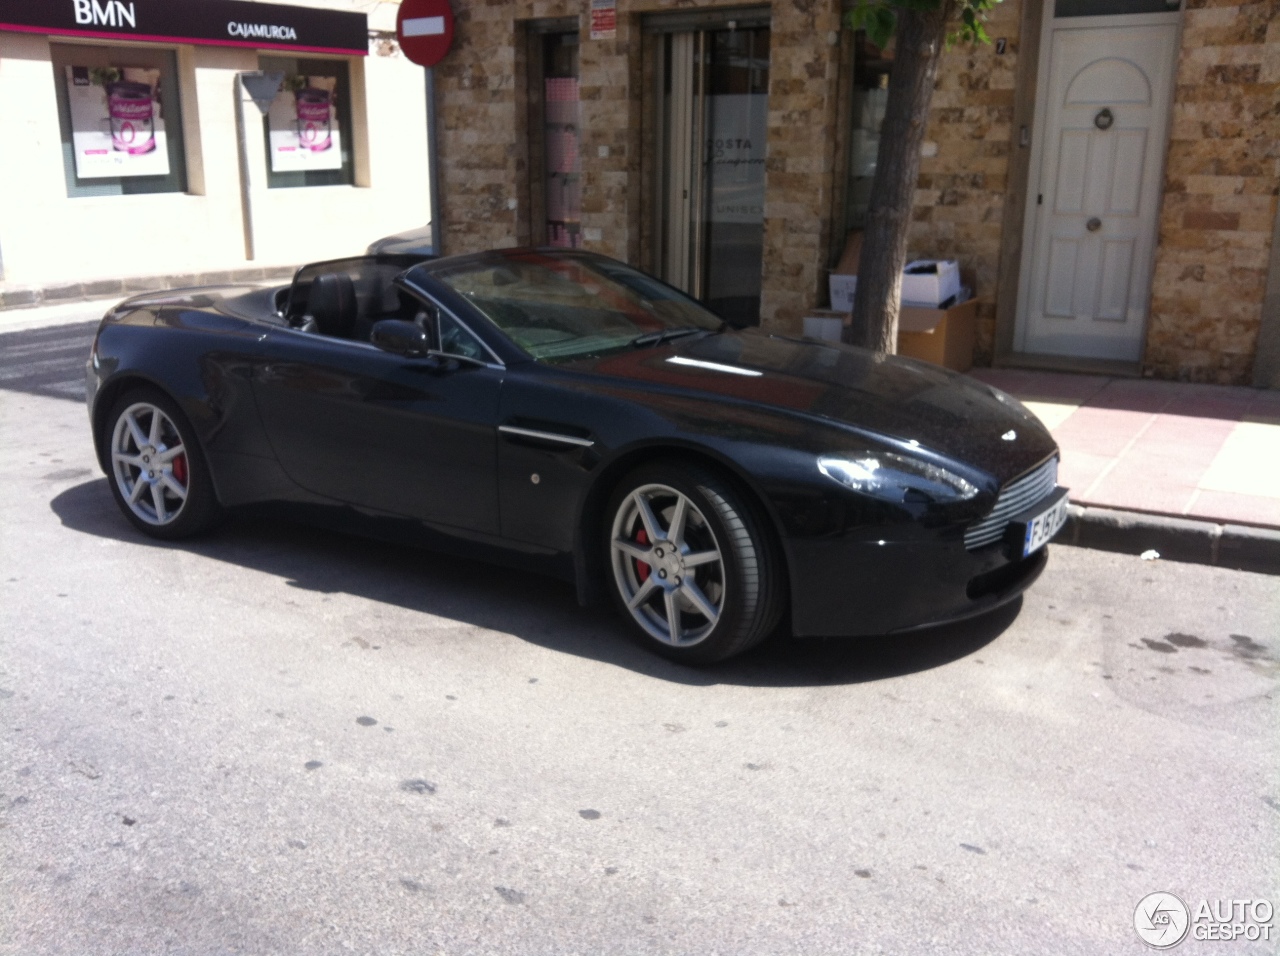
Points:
(680, 177)
(679, 132)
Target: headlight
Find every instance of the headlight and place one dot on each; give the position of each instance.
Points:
(889, 477)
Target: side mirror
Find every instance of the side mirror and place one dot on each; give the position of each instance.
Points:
(400, 337)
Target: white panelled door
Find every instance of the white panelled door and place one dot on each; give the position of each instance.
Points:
(1093, 214)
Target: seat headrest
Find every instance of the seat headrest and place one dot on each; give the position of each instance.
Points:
(332, 303)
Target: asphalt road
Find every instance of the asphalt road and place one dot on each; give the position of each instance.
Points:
(281, 740)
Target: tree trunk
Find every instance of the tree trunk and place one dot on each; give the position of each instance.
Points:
(920, 37)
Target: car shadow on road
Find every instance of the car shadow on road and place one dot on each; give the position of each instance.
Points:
(538, 609)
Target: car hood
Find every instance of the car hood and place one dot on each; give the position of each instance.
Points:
(885, 398)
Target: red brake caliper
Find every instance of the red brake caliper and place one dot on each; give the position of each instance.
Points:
(180, 470)
(642, 569)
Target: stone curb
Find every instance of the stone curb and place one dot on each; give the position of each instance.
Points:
(64, 292)
(1235, 546)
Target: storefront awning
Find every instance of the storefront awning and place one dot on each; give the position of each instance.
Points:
(213, 22)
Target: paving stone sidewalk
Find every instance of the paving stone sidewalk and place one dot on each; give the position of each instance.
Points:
(1193, 451)
(1202, 462)
(15, 296)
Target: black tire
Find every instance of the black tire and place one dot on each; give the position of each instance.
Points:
(744, 585)
(157, 509)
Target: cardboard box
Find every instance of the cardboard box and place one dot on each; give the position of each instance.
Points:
(930, 282)
(941, 336)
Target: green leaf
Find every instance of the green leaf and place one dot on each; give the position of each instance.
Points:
(879, 18)
(973, 14)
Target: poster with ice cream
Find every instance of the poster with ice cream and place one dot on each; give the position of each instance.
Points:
(303, 125)
(117, 128)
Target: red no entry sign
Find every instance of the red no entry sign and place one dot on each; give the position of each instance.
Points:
(425, 30)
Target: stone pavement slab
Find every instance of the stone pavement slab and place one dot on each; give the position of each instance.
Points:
(1201, 452)
(14, 296)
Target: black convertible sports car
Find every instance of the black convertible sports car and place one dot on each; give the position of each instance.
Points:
(565, 412)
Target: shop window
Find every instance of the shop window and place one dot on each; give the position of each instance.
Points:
(120, 118)
(308, 128)
(870, 94)
(562, 180)
(736, 130)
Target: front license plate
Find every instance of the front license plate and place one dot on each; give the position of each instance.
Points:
(1040, 527)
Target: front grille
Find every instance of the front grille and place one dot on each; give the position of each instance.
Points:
(1015, 497)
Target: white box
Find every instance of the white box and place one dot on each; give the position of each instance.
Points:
(827, 328)
(842, 288)
(926, 289)
(930, 282)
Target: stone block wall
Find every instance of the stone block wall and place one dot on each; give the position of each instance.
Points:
(1218, 207)
(804, 69)
(964, 171)
(482, 156)
(1220, 201)
(483, 137)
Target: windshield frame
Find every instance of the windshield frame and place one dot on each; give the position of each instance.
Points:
(432, 276)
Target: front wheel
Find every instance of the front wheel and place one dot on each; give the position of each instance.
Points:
(158, 475)
(693, 570)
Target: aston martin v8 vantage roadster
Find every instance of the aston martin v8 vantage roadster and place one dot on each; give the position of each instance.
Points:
(562, 411)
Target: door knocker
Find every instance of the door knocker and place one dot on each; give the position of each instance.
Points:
(1104, 119)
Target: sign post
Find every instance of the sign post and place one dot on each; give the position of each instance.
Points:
(262, 88)
(424, 29)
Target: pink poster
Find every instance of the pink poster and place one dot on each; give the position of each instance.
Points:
(117, 127)
(303, 125)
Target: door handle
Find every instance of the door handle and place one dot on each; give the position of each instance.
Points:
(1094, 224)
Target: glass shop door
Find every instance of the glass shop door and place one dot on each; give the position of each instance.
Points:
(713, 119)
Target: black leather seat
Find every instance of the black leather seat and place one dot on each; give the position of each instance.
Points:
(332, 305)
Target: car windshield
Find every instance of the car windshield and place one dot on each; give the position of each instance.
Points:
(559, 308)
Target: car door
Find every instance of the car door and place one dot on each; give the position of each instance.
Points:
(546, 450)
(408, 436)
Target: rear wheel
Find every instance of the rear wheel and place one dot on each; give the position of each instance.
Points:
(691, 566)
(158, 475)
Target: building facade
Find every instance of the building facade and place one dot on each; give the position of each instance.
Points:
(1106, 171)
(133, 150)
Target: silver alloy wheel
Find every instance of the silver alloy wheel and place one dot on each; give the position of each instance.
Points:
(667, 565)
(149, 463)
